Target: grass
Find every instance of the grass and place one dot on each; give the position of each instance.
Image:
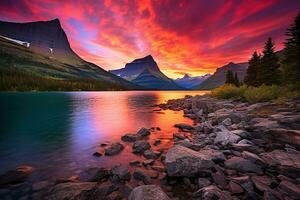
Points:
(255, 94)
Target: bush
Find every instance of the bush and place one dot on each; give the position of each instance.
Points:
(263, 93)
(229, 91)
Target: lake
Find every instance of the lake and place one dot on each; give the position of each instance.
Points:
(58, 132)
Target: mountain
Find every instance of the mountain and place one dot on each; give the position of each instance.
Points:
(150, 80)
(145, 72)
(42, 48)
(189, 82)
(219, 77)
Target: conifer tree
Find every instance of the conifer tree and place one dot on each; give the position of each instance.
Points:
(236, 80)
(229, 77)
(268, 71)
(291, 59)
(251, 75)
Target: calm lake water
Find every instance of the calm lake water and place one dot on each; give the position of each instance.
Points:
(57, 132)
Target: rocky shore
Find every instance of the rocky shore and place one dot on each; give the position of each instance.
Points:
(234, 150)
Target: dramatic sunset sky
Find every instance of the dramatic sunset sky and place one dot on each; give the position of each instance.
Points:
(191, 36)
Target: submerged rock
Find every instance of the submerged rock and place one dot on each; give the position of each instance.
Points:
(143, 132)
(140, 146)
(148, 192)
(18, 175)
(182, 161)
(120, 173)
(113, 149)
(129, 137)
(78, 191)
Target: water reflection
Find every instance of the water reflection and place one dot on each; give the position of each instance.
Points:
(58, 132)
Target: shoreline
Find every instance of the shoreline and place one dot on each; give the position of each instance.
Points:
(228, 153)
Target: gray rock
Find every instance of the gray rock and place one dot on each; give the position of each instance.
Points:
(235, 188)
(148, 192)
(78, 191)
(215, 155)
(243, 165)
(120, 173)
(285, 135)
(212, 192)
(227, 122)
(143, 132)
(182, 161)
(113, 149)
(129, 137)
(244, 182)
(140, 146)
(145, 175)
(245, 141)
(226, 137)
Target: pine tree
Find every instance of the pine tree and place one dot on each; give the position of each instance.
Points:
(229, 77)
(236, 80)
(268, 70)
(291, 59)
(251, 75)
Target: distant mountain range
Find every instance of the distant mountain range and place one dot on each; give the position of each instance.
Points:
(219, 77)
(145, 72)
(189, 82)
(43, 48)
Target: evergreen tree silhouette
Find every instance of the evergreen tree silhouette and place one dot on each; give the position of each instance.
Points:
(251, 75)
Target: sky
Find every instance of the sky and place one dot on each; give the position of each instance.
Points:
(183, 36)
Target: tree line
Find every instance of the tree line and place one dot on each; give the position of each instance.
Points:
(268, 69)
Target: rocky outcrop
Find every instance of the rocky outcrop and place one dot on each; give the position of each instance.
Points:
(182, 161)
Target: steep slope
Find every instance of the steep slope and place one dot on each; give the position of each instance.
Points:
(145, 71)
(189, 82)
(219, 77)
(149, 79)
(47, 52)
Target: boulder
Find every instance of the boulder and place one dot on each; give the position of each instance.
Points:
(184, 126)
(215, 155)
(129, 137)
(253, 157)
(244, 182)
(120, 173)
(113, 149)
(287, 162)
(241, 133)
(226, 137)
(235, 188)
(143, 132)
(290, 189)
(182, 161)
(78, 191)
(211, 193)
(140, 146)
(148, 192)
(242, 165)
(285, 135)
(262, 183)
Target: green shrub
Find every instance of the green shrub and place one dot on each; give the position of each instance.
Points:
(263, 93)
(229, 91)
